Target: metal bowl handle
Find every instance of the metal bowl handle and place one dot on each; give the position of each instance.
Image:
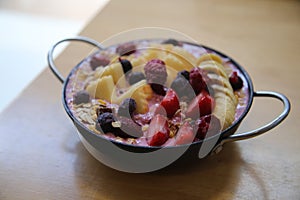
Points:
(51, 51)
(262, 129)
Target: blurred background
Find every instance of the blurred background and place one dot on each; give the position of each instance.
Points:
(28, 29)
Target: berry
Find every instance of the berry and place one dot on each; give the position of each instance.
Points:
(128, 128)
(182, 87)
(158, 131)
(126, 49)
(156, 71)
(135, 77)
(185, 134)
(235, 81)
(81, 97)
(126, 65)
(103, 109)
(172, 41)
(158, 89)
(170, 103)
(201, 105)
(207, 125)
(104, 122)
(127, 107)
(197, 80)
(184, 74)
(99, 60)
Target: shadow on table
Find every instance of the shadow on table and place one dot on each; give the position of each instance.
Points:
(203, 179)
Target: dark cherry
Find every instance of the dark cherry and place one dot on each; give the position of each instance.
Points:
(235, 81)
(127, 107)
(185, 74)
(126, 65)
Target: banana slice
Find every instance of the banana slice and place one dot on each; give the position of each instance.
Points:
(101, 88)
(115, 70)
(225, 100)
(209, 57)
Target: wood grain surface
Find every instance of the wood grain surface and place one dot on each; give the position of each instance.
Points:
(41, 156)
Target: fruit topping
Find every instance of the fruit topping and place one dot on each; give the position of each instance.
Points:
(126, 49)
(185, 134)
(156, 75)
(81, 97)
(99, 60)
(155, 71)
(102, 88)
(235, 81)
(128, 128)
(170, 103)
(207, 125)
(182, 87)
(104, 122)
(158, 131)
(201, 105)
(197, 80)
(127, 107)
(158, 89)
(210, 57)
(135, 77)
(185, 74)
(126, 65)
(103, 109)
(172, 41)
(140, 92)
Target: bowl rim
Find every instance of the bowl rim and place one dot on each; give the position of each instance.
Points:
(223, 134)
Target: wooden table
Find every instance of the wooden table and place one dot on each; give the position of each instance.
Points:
(41, 156)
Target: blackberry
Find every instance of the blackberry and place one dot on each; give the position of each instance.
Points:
(81, 97)
(135, 77)
(127, 107)
(104, 122)
(126, 65)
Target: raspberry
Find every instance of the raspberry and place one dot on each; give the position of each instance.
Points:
(198, 80)
(81, 97)
(235, 81)
(126, 65)
(104, 122)
(99, 60)
(126, 49)
(156, 75)
(135, 77)
(127, 107)
(156, 71)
